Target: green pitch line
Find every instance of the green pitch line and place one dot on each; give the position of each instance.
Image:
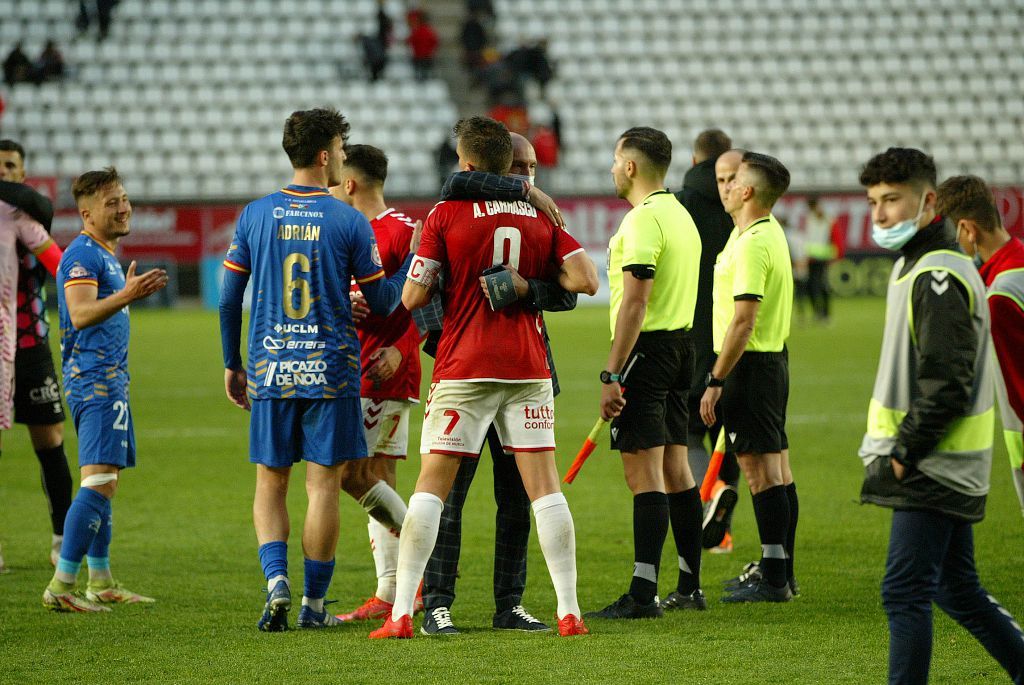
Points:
(184, 535)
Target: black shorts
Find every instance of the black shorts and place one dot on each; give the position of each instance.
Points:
(754, 401)
(657, 379)
(37, 400)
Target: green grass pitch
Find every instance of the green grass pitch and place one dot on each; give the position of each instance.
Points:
(183, 533)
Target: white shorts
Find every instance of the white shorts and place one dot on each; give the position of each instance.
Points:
(386, 426)
(458, 414)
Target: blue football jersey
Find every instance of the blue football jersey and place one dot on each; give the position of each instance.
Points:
(301, 248)
(95, 359)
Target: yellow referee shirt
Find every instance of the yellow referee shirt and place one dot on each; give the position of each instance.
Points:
(755, 264)
(659, 233)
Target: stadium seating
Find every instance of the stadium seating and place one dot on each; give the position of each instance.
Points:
(822, 85)
(188, 96)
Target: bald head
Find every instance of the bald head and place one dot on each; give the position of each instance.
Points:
(524, 158)
(726, 166)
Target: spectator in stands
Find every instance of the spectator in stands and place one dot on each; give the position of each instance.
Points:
(17, 66)
(530, 60)
(423, 42)
(375, 55)
(100, 10)
(50, 66)
(482, 8)
(385, 26)
(821, 251)
(473, 38)
(447, 159)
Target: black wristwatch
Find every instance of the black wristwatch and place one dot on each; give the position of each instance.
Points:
(608, 377)
(713, 382)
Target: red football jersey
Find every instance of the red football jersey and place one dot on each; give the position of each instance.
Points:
(476, 342)
(393, 230)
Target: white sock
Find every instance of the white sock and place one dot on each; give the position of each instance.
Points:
(316, 605)
(273, 581)
(419, 534)
(384, 504)
(385, 559)
(558, 543)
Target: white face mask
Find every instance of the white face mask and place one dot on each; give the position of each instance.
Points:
(523, 177)
(897, 235)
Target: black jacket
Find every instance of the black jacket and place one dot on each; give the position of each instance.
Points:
(941, 390)
(29, 201)
(700, 197)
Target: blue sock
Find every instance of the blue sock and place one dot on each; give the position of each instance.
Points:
(318, 578)
(83, 522)
(274, 559)
(99, 550)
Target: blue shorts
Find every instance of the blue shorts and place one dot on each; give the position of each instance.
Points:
(326, 432)
(105, 431)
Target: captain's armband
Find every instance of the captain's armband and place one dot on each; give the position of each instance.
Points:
(424, 271)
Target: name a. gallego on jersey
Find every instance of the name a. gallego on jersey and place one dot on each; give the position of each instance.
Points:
(298, 232)
(492, 207)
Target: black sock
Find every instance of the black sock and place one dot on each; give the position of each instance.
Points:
(730, 471)
(687, 516)
(650, 526)
(771, 509)
(56, 478)
(794, 514)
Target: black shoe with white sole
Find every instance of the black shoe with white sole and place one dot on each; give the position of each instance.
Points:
(438, 621)
(517, 618)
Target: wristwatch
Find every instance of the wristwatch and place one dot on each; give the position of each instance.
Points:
(608, 377)
(713, 382)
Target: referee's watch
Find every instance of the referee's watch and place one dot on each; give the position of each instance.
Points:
(607, 377)
(713, 382)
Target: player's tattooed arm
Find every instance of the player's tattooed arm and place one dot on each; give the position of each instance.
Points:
(420, 282)
(86, 308)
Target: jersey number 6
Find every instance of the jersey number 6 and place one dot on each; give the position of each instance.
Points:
(293, 282)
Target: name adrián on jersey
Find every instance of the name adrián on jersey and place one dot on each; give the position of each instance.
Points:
(298, 232)
(492, 207)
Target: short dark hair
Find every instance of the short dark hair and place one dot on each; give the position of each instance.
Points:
(8, 145)
(486, 142)
(369, 161)
(652, 144)
(899, 165)
(968, 197)
(307, 132)
(772, 175)
(710, 144)
(91, 182)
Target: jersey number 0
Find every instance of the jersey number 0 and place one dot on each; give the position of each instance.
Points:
(508, 242)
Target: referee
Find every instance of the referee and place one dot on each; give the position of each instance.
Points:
(653, 265)
(753, 305)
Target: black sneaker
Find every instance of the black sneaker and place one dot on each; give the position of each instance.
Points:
(761, 591)
(677, 600)
(750, 574)
(438, 621)
(716, 520)
(517, 618)
(627, 607)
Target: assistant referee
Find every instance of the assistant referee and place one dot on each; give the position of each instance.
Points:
(753, 305)
(653, 267)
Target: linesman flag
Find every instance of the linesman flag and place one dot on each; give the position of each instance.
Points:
(585, 451)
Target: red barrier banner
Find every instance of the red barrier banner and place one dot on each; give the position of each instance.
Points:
(186, 233)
